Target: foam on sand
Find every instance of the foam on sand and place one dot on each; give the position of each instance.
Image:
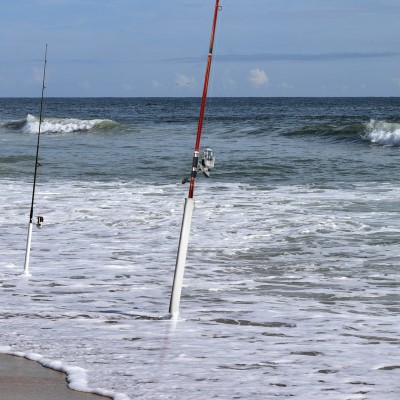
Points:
(76, 376)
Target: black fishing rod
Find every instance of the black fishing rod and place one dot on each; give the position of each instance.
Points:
(40, 219)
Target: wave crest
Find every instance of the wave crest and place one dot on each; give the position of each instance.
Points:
(383, 133)
(65, 125)
(340, 131)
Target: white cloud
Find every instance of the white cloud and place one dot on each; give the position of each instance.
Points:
(183, 80)
(258, 77)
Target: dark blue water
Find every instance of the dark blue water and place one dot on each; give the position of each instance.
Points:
(270, 141)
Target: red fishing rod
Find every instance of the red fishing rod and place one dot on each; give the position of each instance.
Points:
(203, 104)
(207, 163)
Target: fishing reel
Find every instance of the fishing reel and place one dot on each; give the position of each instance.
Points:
(206, 163)
(40, 221)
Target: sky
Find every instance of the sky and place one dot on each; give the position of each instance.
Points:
(157, 48)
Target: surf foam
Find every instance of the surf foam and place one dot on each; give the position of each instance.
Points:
(76, 376)
(64, 125)
(383, 133)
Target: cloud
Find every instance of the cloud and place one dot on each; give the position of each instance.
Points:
(396, 81)
(183, 80)
(258, 77)
(305, 57)
(78, 61)
(335, 56)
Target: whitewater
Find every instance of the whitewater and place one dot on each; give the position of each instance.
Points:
(291, 285)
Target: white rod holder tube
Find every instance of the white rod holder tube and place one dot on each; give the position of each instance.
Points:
(181, 258)
(28, 249)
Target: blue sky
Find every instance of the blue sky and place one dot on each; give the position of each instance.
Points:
(159, 47)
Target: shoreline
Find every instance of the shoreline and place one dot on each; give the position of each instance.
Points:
(21, 379)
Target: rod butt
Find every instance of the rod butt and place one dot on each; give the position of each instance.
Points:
(28, 249)
(181, 258)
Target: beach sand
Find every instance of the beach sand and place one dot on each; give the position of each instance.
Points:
(22, 379)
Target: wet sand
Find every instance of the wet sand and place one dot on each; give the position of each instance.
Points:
(22, 379)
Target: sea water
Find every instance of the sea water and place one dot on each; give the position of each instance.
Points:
(291, 288)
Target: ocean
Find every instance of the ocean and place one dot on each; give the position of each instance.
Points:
(291, 287)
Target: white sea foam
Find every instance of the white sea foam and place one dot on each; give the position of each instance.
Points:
(76, 376)
(383, 133)
(294, 310)
(63, 125)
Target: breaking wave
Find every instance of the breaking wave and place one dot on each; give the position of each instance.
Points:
(383, 133)
(378, 132)
(59, 125)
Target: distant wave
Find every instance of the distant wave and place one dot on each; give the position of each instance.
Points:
(377, 132)
(339, 132)
(59, 125)
(383, 133)
(13, 125)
